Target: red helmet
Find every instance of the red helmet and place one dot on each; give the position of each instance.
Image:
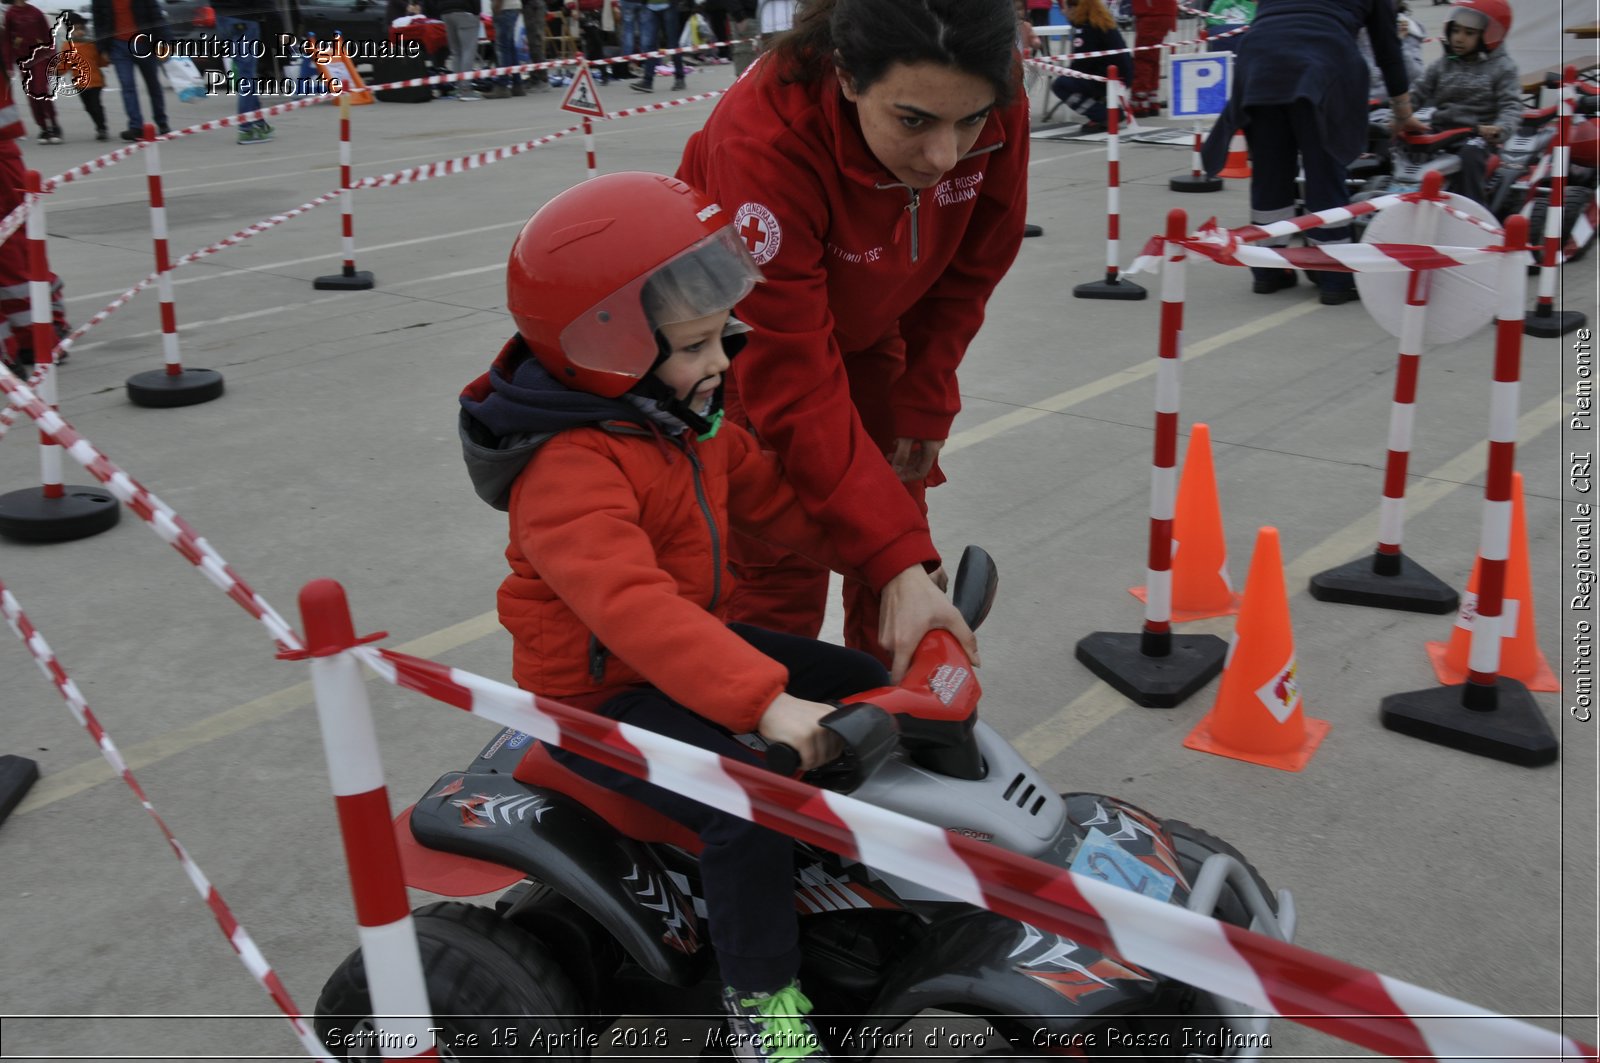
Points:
(599, 268)
(1493, 17)
(1584, 145)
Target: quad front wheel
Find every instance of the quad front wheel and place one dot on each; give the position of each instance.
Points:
(495, 992)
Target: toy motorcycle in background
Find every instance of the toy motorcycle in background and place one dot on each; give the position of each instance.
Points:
(605, 919)
(1518, 178)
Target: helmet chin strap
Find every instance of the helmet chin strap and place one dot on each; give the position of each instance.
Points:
(652, 387)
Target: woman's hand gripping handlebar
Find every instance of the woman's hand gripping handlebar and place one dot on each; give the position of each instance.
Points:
(840, 748)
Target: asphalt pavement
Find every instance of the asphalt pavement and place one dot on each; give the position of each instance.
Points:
(333, 453)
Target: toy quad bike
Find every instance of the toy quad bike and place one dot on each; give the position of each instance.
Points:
(605, 918)
(1512, 185)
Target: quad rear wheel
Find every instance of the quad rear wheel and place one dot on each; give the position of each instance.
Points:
(495, 992)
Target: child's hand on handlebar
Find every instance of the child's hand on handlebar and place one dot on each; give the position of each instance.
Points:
(793, 722)
(911, 606)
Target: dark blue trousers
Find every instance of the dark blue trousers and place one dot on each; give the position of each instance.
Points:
(747, 871)
(1283, 140)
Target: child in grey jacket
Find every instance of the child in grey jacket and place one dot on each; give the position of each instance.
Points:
(1474, 84)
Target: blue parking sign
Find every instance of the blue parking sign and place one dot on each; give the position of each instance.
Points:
(1200, 84)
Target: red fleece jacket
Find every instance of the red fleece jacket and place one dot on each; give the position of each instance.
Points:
(856, 266)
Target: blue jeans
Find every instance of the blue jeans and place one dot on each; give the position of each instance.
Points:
(505, 43)
(123, 59)
(632, 31)
(663, 24)
(243, 38)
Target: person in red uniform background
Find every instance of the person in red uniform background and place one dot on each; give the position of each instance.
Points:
(1152, 21)
(16, 315)
(876, 162)
(29, 33)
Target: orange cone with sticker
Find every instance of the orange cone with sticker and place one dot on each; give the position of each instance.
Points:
(1520, 658)
(1238, 164)
(1258, 715)
(1200, 583)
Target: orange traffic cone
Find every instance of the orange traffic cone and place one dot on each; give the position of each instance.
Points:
(1520, 658)
(1200, 583)
(1258, 715)
(1238, 164)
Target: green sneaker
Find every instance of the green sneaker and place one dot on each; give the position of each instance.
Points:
(772, 1026)
(257, 134)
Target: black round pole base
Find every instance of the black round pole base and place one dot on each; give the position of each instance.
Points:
(1513, 730)
(359, 281)
(80, 512)
(1386, 581)
(17, 776)
(1109, 289)
(1555, 323)
(161, 390)
(1195, 183)
(1154, 682)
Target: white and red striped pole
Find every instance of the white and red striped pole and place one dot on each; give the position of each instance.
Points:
(401, 1014)
(1490, 715)
(1390, 580)
(1196, 180)
(1153, 667)
(57, 512)
(1495, 544)
(43, 333)
(349, 278)
(588, 146)
(1545, 320)
(158, 230)
(171, 385)
(1402, 412)
(1113, 287)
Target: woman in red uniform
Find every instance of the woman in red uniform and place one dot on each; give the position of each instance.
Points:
(876, 162)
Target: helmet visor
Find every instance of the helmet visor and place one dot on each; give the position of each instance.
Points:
(617, 334)
(1470, 18)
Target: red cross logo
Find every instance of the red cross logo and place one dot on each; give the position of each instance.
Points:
(754, 235)
(759, 230)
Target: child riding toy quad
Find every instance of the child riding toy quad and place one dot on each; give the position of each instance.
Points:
(603, 918)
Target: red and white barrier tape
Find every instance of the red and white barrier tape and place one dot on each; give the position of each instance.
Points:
(1393, 1017)
(664, 104)
(552, 64)
(446, 167)
(1337, 258)
(161, 518)
(15, 220)
(1162, 46)
(93, 165)
(248, 231)
(243, 945)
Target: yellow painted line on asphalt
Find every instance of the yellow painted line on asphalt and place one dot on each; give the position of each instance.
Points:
(1133, 374)
(58, 786)
(1046, 740)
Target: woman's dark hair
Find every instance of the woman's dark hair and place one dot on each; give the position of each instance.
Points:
(863, 38)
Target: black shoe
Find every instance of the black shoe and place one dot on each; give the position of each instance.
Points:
(1268, 281)
(132, 134)
(1338, 296)
(1030, 229)
(1091, 127)
(163, 130)
(100, 134)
